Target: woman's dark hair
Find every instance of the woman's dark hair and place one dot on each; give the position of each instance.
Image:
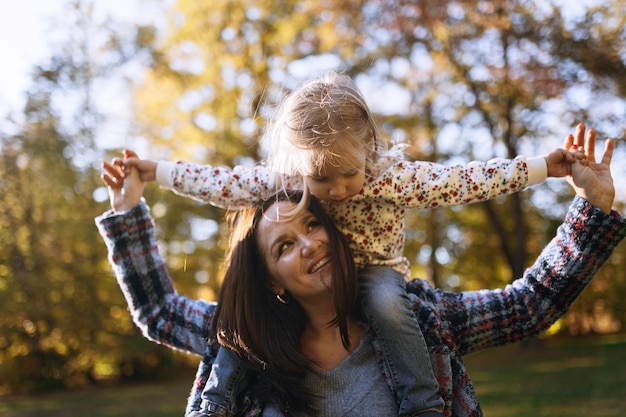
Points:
(264, 332)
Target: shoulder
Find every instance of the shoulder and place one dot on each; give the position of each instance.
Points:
(389, 160)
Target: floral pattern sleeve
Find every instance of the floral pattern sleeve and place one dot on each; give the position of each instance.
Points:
(427, 185)
(229, 188)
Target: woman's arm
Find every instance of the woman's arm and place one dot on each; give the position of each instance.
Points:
(157, 309)
(476, 320)
(479, 319)
(128, 232)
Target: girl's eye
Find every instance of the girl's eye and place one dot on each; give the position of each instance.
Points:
(351, 174)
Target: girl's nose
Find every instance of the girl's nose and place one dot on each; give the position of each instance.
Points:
(337, 189)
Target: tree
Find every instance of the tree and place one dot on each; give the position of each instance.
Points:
(475, 79)
(61, 323)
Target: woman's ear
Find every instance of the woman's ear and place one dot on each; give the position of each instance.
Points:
(277, 289)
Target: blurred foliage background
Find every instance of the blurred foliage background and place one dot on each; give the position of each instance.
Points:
(455, 80)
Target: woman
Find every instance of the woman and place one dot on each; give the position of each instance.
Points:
(287, 302)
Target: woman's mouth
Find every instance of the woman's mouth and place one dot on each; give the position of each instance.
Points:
(319, 265)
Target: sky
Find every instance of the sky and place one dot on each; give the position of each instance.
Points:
(22, 33)
(25, 37)
(29, 28)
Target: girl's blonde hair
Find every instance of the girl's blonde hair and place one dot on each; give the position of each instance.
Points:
(322, 122)
(325, 121)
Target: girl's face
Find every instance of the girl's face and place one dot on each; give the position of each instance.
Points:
(338, 182)
(295, 251)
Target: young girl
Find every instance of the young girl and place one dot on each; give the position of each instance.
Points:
(324, 141)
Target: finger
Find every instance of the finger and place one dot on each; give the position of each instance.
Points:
(110, 168)
(568, 142)
(107, 167)
(119, 165)
(113, 171)
(130, 154)
(130, 165)
(608, 151)
(590, 145)
(579, 137)
(108, 181)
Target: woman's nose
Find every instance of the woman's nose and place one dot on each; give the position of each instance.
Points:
(309, 246)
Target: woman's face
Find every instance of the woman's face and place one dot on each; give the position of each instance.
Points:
(295, 252)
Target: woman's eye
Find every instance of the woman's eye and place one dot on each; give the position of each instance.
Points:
(283, 247)
(313, 224)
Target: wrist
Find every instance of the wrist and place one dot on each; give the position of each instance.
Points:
(537, 170)
(120, 207)
(603, 202)
(163, 173)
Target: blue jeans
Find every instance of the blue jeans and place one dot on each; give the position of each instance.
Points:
(227, 379)
(388, 310)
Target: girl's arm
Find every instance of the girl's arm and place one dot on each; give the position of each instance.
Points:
(420, 184)
(230, 188)
(157, 309)
(477, 320)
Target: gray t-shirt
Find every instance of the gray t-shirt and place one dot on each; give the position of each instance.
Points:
(355, 388)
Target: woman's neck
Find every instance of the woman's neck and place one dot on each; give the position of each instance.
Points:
(322, 342)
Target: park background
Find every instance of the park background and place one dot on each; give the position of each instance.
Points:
(454, 80)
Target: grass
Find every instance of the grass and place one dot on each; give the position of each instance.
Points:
(164, 398)
(556, 378)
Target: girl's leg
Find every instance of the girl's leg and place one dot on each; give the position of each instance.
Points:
(387, 307)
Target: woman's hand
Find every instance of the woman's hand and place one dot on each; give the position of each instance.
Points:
(124, 184)
(592, 181)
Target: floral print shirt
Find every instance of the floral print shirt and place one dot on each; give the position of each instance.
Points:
(374, 219)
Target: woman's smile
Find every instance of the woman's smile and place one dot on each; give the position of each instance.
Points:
(319, 265)
(295, 250)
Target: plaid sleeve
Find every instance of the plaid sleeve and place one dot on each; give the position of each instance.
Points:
(157, 309)
(476, 320)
